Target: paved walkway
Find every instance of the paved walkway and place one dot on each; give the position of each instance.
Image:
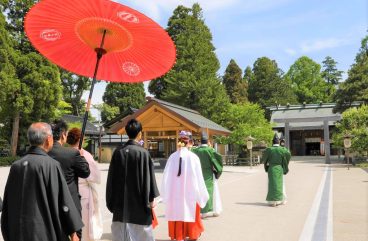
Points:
(325, 202)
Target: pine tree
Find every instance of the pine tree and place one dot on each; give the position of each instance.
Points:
(236, 87)
(193, 81)
(355, 88)
(123, 96)
(331, 75)
(266, 85)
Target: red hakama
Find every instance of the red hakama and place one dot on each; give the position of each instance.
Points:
(179, 230)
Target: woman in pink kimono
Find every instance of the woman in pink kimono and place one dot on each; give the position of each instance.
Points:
(91, 214)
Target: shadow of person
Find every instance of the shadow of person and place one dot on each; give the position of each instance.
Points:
(254, 204)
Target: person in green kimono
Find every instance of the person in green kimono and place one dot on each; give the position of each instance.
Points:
(276, 161)
(211, 163)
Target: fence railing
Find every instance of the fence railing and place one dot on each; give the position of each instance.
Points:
(234, 160)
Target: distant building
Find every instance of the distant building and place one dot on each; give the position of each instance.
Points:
(162, 121)
(307, 128)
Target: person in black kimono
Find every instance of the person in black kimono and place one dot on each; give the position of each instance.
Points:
(72, 163)
(131, 189)
(37, 202)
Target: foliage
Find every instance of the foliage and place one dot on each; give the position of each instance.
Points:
(331, 75)
(107, 112)
(122, 96)
(307, 82)
(266, 85)
(8, 160)
(193, 81)
(73, 88)
(245, 120)
(236, 87)
(354, 122)
(355, 88)
(63, 108)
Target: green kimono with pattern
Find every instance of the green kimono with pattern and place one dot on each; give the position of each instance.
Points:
(210, 161)
(276, 160)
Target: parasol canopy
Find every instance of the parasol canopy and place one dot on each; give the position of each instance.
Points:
(67, 32)
(100, 39)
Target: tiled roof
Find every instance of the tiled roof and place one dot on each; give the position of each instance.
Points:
(90, 128)
(191, 115)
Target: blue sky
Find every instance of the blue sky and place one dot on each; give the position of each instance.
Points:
(283, 30)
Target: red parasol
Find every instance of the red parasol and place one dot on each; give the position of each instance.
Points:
(100, 39)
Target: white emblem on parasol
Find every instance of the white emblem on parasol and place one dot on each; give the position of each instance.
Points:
(50, 34)
(131, 69)
(128, 17)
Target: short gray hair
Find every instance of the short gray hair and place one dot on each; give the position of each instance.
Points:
(38, 132)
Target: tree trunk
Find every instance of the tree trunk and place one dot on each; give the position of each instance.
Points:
(15, 131)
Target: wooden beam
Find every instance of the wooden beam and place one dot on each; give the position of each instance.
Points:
(308, 119)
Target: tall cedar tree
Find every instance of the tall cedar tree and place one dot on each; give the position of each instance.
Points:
(307, 82)
(331, 75)
(236, 87)
(73, 88)
(123, 96)
(355, 88)
(33, 90)
(266, 85)
(193, 81)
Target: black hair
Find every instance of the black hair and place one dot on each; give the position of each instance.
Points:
(58, 127)
(132, 128)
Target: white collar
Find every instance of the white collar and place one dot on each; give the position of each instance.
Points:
(276, 145)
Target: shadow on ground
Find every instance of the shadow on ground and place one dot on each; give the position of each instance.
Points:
(254, 204)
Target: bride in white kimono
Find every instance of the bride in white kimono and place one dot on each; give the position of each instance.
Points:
(91, 214)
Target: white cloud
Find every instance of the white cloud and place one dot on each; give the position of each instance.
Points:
(321, 44)
(290, 51)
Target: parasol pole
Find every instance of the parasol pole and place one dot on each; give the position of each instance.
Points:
(99, 52)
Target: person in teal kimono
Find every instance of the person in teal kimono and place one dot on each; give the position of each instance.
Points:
(211, 163)
(276, 160)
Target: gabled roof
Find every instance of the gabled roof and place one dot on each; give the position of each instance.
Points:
(309, 115)
(90, 128)
(187, 116)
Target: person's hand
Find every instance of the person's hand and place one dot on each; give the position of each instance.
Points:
(74, 237)
(153, 204)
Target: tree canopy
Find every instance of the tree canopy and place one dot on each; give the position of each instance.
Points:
(355, 88)
(121, 96)
(266, 85)
(193, 81)
(354, 122)
(307, 82)
(236, 87)
(331, 75)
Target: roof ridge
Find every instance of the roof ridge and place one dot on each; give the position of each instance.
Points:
(173, 105)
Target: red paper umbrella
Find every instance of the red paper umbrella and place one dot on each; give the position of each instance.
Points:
(100, 39)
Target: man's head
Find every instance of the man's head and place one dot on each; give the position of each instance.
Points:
(133, 129)
(60, 131)
(204, 138)
(40, 134)
(276, 139)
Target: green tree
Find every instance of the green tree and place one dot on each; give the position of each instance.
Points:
(193, 81)
(266, 85)
(354, 122)
(73, 88)
(307, 82)
(355, 88)
(107, 112)
(247, 119)
(15, 12)
(123, 96)
(331, 75)
(236, 87)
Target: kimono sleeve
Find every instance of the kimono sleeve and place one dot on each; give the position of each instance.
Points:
(153, 184)
(265, 160)
(115, 171)
(202, 193)
(217, 161)
(70, 217)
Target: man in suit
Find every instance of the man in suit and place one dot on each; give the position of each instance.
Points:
(37, 203)
(72, 163)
